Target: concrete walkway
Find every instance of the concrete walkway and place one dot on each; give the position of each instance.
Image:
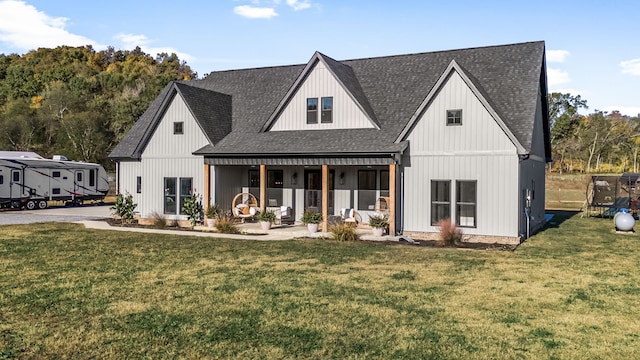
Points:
(250, 231)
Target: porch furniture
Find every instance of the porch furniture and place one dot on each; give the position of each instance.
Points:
(382, 205)
(284, 214)
(349, 216)
(244, 206)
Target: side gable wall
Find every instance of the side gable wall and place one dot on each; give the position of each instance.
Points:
(478, 150)
(321, 83)
(169, 155)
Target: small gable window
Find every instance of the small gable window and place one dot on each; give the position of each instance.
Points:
(312, 110)
(454, 117)
(178, 128)
(327, 110)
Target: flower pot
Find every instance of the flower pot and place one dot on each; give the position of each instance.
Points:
(211, 223)
(266, 225)
(312, 228)
(377, 231)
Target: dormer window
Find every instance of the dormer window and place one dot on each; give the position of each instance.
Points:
(327, 110)
(312, 110)
(178, 128)
(454, 117)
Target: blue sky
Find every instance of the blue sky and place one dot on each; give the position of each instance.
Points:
(593, 47)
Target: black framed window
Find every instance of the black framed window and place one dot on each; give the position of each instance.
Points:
(254, 183)
(312, 110)
(366, 189)
(466, 197)
(92, 177)
(178, 128)
(440, 200)
(170, 195)
(384, 182)
(1, 179)
(275, 184)
(79, 177)
(454, 117)
(55, 174)
(327, 110)
(186, 185)
(16, 176)
(55, 191)
(138, 184)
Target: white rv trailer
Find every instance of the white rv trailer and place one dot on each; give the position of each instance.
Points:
(28, 180)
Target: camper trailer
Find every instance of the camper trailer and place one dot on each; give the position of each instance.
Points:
(27, 180)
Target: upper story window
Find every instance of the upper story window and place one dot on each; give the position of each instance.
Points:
(312, 110)
(327, 110)
(454, 117)
(178, 128)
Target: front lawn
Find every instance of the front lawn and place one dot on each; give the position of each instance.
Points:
(570, 292)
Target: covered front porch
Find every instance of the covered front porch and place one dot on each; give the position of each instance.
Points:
(327, 186)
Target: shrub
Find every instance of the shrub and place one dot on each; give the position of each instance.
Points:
(193, 209)
(344, 232)
(226, 224)
(379, 221)
(213, 211)
(267, 215)
(311, 217)
(450, 235)
(124, 208)
(159, 221)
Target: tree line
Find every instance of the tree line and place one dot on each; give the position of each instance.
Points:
(599, 142)
(79, 102)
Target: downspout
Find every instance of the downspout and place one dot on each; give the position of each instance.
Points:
(402, 201)
(527, 198)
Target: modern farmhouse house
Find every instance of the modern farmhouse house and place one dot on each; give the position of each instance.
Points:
(460, 134)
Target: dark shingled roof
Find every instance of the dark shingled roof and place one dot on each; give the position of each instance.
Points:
(389, 89)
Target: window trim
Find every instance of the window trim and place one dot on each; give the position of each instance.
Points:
(312, 114)
(138, 184)
(460, 203)
(326, 116)
(434, 203)
(178, 128)
(454, 117)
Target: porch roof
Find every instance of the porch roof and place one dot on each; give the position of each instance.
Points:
(302, 161)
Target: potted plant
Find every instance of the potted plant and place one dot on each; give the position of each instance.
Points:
(378, 223)
(311, 219)
(266, 218)
(213, 213)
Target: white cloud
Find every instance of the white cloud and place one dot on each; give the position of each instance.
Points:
(557, 77)
(299, 5)
(557, 56)
(631, 67)
(130, 41)
(23, 27)
(252, 12)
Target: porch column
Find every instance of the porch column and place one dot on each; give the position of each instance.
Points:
(263, 187)
(207, 187)
(325, 198)
(392, 199)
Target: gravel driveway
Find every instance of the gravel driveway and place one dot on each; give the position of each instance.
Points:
(56, 214)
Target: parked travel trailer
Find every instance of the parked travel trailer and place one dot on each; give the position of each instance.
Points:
(28, 180)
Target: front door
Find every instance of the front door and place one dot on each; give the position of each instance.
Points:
(313, 190)
(16, 185)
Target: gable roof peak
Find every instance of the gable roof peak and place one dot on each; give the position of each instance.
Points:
(343, 74)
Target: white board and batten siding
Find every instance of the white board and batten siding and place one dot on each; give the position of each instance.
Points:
(321, 83)
(170, 155)
(478, 150)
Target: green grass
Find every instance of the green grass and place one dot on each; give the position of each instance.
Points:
(570, 292)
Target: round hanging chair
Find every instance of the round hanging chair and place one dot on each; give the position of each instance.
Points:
(382, 205)
(244, 205)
